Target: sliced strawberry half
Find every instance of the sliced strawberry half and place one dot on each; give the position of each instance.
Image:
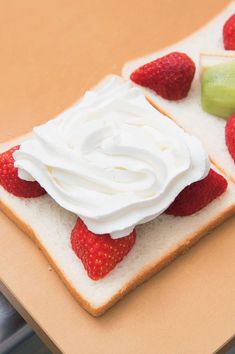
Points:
(198, 195)
(169, 76)
(230, 135)
(229, 33)
(10, 181)
(99, 253)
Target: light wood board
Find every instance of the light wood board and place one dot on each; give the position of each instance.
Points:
(51, 52)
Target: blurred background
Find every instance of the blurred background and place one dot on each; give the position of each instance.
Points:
(16, 336)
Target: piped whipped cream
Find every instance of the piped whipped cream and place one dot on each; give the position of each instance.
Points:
(112, 159)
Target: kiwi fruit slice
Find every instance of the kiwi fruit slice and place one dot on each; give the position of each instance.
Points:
(218, 90)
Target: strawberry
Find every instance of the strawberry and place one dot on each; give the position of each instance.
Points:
(99, 253)
(229, 33)
(198, 195)
(169, 76)
(230, 135)
(11, 182)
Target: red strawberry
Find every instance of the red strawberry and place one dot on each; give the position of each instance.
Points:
(198, 195)
(230, 135)
(169, 76)
(229, 33)
(11, 182)
(99, 253)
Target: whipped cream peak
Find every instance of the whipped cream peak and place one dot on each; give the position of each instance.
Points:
(112, 159)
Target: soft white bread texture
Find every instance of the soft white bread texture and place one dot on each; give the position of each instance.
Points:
(188, 112)
(158, 243)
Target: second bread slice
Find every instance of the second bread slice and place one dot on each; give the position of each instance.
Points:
(188, 112)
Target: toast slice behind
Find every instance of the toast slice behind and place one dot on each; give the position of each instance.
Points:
(188, 112)
(158, 243)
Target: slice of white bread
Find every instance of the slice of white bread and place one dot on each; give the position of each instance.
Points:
(188, 112)
(157, 244)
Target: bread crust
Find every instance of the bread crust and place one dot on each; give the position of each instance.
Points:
(144, 275)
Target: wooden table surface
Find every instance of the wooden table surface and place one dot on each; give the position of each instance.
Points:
(51, 52)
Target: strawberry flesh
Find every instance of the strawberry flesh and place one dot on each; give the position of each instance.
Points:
(229, 33)
(230, 135)
(10, 181)
(169, 76)
(198, 195)
(99, 253)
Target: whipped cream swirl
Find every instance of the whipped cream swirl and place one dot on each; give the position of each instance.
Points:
(112, 159)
